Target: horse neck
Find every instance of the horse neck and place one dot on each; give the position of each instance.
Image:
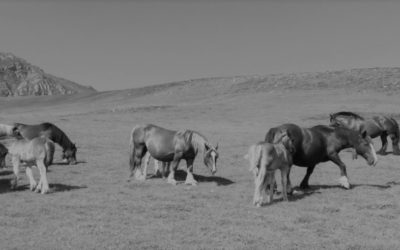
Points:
(346, 138)
(64, 141)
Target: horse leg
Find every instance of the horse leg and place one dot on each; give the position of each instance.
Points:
(174, 166)
(189, 173)
(16, 162)
(165, 169)
(32, 182)
(146, 162)
(289, 189)
(43, 177)
(284, 176)
(260, 184)
(157, 168)
(395, 143)
(304, 182)
(271, 182)
(344, 181)
(384, 140)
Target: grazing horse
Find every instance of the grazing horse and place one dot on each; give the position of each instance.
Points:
(265, 158)
(170, 146)
(381, 125)
(323, 143)
(35, 152)
(51, 132)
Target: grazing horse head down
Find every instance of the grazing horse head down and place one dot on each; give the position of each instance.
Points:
(210, 157)
(171, 147)
(50, 131)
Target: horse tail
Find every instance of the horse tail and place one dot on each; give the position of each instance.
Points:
(254, 157)
(49, 152)
(132, 150)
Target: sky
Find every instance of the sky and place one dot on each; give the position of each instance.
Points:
(124, 44)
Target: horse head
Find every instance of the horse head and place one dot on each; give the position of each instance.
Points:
(288, 141)
(70, 154)
(363, 146)
(210, 157)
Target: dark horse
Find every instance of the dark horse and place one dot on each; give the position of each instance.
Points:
(170, 146)
(323, 143)
(49, 131)
(381, 125)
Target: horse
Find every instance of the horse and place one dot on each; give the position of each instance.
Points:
(265, 158)
(323, 143)
(379, 125)
(170, 146)
(51, 132)
(35, 152)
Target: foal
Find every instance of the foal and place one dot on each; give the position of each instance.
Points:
(36, 152)
(265, 158)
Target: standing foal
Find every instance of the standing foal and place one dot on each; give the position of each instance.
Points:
(265, 158)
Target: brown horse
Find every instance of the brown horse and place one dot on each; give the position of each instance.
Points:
(51, 132)
(381, 125)
(323, 143)
(265, 158)
(170, 146)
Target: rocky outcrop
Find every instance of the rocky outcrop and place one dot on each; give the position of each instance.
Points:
(20, 78)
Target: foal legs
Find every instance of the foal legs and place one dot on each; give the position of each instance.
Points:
(284, 177)
(29, 174)
(16, 162)
(189, 173)
(43, 185)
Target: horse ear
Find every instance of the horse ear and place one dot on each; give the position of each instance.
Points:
(216, 147)
(206, 146)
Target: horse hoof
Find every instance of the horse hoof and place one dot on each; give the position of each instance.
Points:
(173, 182)
(193, 183)
(304, 187)
(344, 182)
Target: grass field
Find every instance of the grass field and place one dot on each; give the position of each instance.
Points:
(92, 206)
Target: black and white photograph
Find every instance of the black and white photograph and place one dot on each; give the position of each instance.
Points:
(199, 124)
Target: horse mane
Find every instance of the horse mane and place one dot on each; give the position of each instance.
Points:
(63, 139)
(197, 140)
(347, 113)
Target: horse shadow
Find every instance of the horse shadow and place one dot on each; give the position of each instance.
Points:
(353, 186)
(57, 187)
(180, 176)
(62, 163)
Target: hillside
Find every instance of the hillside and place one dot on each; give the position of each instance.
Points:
(20, 78)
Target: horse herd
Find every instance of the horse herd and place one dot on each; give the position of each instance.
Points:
(284, 146)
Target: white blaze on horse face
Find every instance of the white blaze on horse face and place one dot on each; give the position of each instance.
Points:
(373, 154)
(213, 157)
